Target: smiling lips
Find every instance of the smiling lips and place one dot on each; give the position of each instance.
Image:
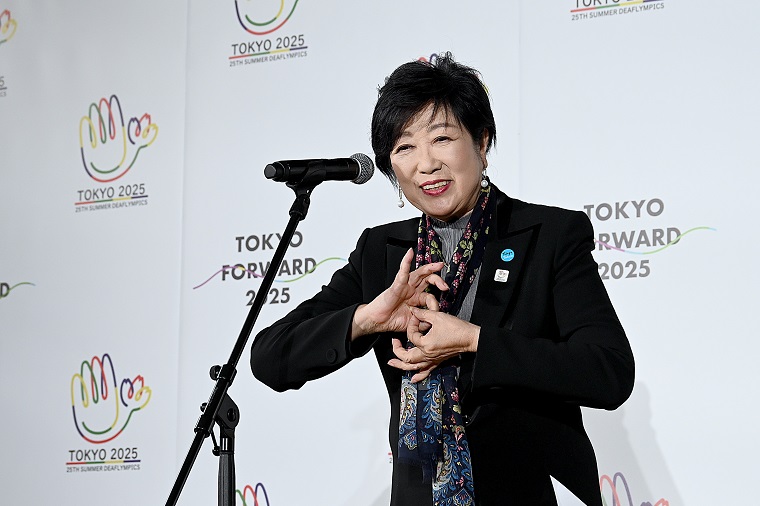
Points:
(435, 187)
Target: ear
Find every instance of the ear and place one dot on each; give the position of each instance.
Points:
(482, 145)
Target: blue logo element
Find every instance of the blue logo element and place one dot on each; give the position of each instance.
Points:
(507, 255)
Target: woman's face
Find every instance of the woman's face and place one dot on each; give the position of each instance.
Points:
(439, 165)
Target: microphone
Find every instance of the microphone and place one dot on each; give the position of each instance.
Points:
(357, 169)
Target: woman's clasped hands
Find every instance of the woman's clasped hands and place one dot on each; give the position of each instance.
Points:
(406, 306)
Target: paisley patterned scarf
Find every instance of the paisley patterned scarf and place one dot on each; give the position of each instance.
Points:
(431, 429)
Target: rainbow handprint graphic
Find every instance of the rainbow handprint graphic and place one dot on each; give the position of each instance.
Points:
(8, 26)
(260, 17)
(102, 405)
(108, 145)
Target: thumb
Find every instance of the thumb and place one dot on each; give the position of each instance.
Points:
(423, 315)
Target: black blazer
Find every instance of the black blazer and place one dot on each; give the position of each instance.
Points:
(550, 342)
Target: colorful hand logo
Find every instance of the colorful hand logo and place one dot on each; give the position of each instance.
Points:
(254, 495)
(264, 23)
(7, 26)
(113, 146)
(618, 490)
(101, 406)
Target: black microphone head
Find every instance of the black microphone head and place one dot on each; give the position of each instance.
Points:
(366, 168)
(273, 171)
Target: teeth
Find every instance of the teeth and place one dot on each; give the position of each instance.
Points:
(434, 186)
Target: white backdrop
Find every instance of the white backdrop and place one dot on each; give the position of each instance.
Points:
(132, 144)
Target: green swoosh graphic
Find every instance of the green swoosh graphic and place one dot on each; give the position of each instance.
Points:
(16, 285)
(612, 247)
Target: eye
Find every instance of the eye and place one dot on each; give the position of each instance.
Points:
(402, 147)
(442, 138)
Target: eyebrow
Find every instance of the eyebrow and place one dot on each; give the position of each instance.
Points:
(444, 124)
(430, 128)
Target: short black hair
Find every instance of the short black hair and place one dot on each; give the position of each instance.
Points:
(442, 82)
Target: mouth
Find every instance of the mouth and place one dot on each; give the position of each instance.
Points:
(434, 187)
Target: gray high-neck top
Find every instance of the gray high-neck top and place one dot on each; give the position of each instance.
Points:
(450, 233)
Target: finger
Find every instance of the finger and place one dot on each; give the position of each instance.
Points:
(406, 262)
(397, 347)
(422, 375)
(424, 315)
(410, 356)
(413, 334)
(430, 302)
(401, 353)
(400, 364)
(417, 327)
(425, 323)
(437, 280)
(421, 273)
(412, 323)
(404, 366)
(404, 268)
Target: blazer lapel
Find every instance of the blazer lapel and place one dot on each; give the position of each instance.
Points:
(504, 262)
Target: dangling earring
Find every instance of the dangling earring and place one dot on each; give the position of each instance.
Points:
(484, 181)
(400, 197)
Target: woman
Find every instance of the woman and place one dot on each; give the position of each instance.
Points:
(486, 315)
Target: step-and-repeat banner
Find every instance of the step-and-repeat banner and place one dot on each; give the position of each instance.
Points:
(136, 224)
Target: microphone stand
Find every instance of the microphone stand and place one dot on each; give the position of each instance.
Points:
(220, 408)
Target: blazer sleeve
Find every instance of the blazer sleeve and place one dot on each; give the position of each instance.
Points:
(313, 340)
(586, 358)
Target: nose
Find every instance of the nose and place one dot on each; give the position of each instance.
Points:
(427, 162)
